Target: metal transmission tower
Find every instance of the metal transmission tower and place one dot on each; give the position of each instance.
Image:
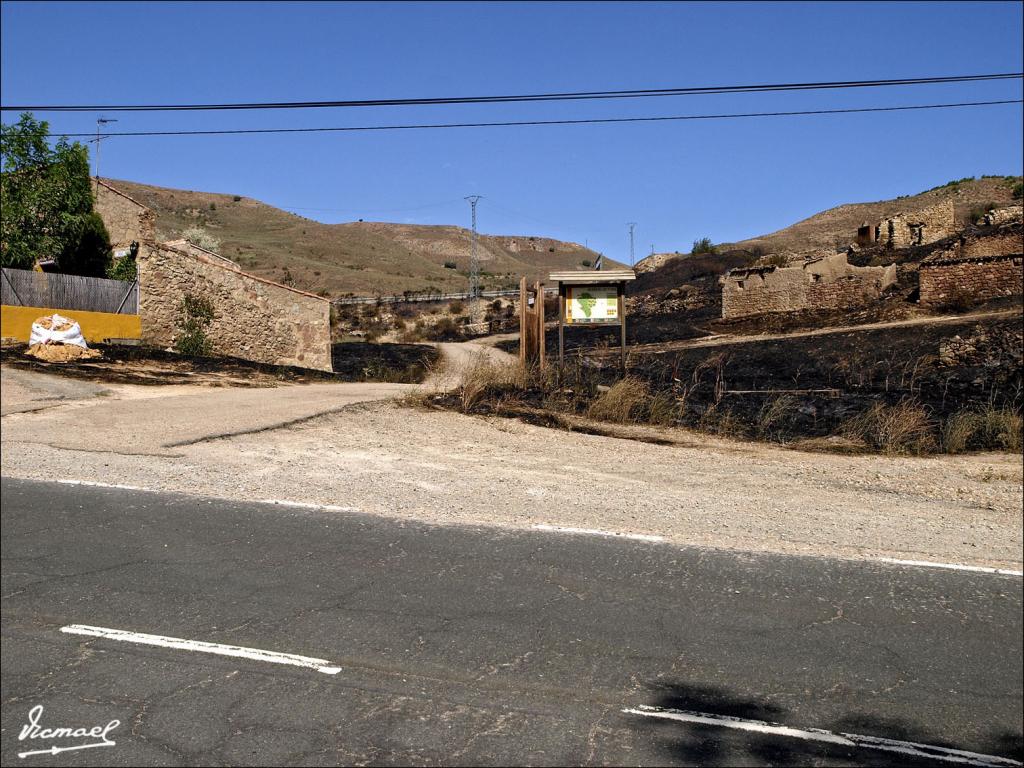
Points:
(474, 258)
(631, 225)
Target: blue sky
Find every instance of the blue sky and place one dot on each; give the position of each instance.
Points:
(679, 181)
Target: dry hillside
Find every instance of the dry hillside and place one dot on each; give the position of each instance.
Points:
(838, 226)
(363, 258)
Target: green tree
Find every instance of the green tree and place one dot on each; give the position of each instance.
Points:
(704, 245)
(46, 199)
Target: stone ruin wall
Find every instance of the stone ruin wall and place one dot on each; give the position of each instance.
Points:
(254, 319)
(126, 220)
(974, 271)
(827, 283)
(904, 230)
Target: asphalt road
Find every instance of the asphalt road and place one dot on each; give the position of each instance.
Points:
(476, 646)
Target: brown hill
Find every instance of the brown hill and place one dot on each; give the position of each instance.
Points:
(838, 226)
(362, 258)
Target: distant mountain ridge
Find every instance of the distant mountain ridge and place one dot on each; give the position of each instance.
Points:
(362, 258)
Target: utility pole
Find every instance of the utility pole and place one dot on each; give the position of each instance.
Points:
(100, 121)
(474, 261)
(631, 225)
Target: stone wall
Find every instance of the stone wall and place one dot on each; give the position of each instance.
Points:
(254, 319)
(975, 269)
(823, 283)
(126, 220)
(927, 225)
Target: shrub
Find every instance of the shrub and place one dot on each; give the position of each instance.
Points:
(1017, 190)
(125, 268)
(195, 314)
(200, 237)
(704, 245)
(586, 263)
(456, 308)
(482, 375)
(236, 198)
(990, 429)
(901, 428)
(213, 206)
(772, 417)
(449, 265)
(623, 402)
(777, 260)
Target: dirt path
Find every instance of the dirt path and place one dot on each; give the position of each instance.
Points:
(458, 356)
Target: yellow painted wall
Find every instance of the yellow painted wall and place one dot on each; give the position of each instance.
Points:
(16, 323)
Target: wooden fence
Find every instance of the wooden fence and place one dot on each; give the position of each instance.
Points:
(25, 288)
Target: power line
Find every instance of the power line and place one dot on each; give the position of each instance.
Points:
(567, 96)
(583, 121)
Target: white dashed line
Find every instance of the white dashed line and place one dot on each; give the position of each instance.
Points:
(180, 644)
(944, 754)
(951, 566)
(596, 532)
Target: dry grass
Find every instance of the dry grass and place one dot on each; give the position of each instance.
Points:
(482, 375)
(990, 429)
(622, 403)
(772, 416)
(894, 429)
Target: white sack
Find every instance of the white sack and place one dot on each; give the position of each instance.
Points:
(43, 335)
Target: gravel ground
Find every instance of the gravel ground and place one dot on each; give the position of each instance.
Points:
(379, 457)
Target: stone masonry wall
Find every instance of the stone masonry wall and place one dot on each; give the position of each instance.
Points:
(948, 283)
(125, 219)
(927, 225)
(255, 319)
(825, 283)
(975, 269)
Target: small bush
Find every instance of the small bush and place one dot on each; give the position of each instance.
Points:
(623, 402)
(586, 263)
(772, 417)
(990, 429)
(704, 245)
(195, 314)
(777, 260)
(200, 237)
(662, 410)
(1017, 190)
(482, 375)
(901, 428)
(236, 198)
(449, 265)
(213, 206)
(456, 308)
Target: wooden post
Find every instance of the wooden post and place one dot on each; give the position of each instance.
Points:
(622, 323)
(561, 330)
(540, 326)
(522, 321)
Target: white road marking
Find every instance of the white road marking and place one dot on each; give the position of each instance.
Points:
(945, 754)
(180, 644)
(307, 505)
(596, 532)
(951, 566)
(102, 485)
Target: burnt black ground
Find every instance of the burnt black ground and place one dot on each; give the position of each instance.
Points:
(477, 646)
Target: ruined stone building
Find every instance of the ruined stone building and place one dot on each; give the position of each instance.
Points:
(927, 225)
(976, 268)
(825, 282)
